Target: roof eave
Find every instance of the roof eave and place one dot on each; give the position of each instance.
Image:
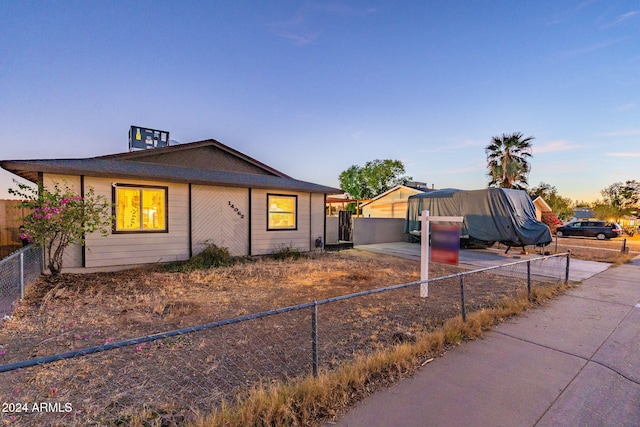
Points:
(30, 169)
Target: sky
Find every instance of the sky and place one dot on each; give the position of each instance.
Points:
(311, 88)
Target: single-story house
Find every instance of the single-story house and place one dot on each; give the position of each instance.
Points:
(11, 215)
(337, 203)
(541, 207)
(170, 202)
(582, 213)
(390, 204)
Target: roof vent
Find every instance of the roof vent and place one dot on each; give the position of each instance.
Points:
(143, 138)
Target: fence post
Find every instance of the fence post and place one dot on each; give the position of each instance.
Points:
(464, 309)
(566, 273)
(314, 338)
(529, 280)
(22, 275)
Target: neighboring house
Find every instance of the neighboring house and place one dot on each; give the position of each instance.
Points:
(390, 204)
(541, 207)
(169, 202)
(338, 203)
(580, 214)
(11, 215)
(629, 222)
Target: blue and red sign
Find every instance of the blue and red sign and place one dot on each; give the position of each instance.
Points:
(445, 243)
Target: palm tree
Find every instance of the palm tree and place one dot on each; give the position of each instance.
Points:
(507, 160)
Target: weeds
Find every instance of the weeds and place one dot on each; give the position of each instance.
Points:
(310, 401)
(286, 253)
(211, 257)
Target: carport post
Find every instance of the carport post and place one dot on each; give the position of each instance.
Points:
(424, 254)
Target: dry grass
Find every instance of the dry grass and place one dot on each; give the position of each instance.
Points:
(597, 250)
(78, 311)
(311, 401)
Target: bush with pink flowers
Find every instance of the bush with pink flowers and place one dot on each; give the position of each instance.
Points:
(59, 217)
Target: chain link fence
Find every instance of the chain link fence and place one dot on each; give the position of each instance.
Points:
(171, 378)
(17, 271)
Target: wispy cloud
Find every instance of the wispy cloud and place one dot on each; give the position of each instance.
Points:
(569, 14)
(553, 146)
(636, 154)
(299, 29)
(622, 18)
(463, 145)
(626, 107)
(343, 9)
(356, 134)
(584, 50)
(460, 170)
(624, 132)
(298, 38)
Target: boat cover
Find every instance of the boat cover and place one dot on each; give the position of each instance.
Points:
(490, 215)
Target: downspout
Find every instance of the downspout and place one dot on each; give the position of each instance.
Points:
(324, 216)
(190, 221)
(250, 220)
(311, 244)
(84, 243)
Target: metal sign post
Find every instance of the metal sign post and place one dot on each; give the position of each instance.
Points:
(424, 247)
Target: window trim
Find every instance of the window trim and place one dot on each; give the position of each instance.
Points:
(141, 187)
(295, 212)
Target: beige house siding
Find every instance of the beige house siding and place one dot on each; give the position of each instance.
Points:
(220, 215)
(141, 248)
(390, 205)
(541, 207)
(73, 253)
(264, 242)
(317, 219)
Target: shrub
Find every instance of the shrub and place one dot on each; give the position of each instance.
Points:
(286, 252)
(60, 217)
(211, 257)
(551, 220)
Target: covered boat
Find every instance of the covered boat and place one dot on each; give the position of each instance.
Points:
(490, 215)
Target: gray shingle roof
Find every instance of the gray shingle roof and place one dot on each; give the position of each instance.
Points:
(105, 167)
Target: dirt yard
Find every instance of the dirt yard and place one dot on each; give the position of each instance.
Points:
(595, 250)
(79, 311)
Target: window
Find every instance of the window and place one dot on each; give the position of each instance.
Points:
(140, 209)
(281, 212)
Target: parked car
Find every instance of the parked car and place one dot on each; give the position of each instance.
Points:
(599, 229)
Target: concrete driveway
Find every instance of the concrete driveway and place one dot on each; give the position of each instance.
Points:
(480, 258)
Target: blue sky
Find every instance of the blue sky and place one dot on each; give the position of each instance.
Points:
(311, 88)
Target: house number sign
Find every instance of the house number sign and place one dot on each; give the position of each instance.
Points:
(236, 210)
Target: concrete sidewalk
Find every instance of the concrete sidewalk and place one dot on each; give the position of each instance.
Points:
(481, 258)
(573, 362)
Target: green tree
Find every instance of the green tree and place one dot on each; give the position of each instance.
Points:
(507, 160)
(604, 210)
(372, 179)
(623, 196)
(561, 206)
(59, 217)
